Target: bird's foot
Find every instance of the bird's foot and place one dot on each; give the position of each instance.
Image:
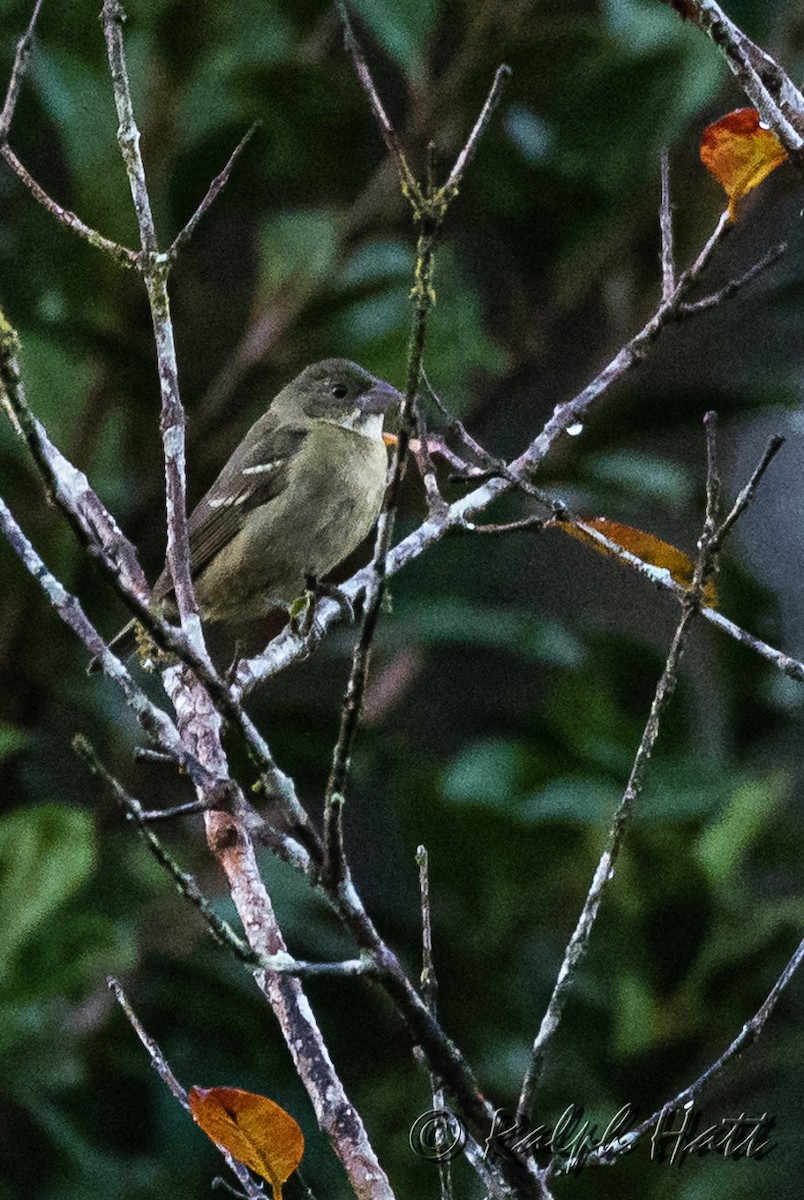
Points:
(302, 610)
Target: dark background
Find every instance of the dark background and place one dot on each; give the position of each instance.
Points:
(511, 681)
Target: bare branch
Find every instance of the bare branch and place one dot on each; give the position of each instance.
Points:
(666, 227)
(409, 183)
(120, 254)
(708, 546)
(23, 53)
(747, 1035)
(152, 719)
(334, 1111)
(501, 75)
(162, 1068)
(214, 190)
(155, 267)
(66, 486)
(694, 307)
(747, 494)
(770, 89)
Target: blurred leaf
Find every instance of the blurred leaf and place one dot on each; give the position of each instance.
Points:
(298, 246)
(579, 800)
(724, 844)
(531, 135)
(255, 1130)
(56, 382)
(637, 1015)
(644, 475)
(377, 261)
(402, 28)
(11, 740)
(513, 631)
(46, 854)
(490, 773)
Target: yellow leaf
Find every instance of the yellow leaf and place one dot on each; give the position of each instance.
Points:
(740, 153)
(645, 546)
(252, 1128)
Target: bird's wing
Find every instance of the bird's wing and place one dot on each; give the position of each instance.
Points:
(254, 475)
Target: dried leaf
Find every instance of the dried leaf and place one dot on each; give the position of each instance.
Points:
(646, 547)
(252, 1128)
(740, 153)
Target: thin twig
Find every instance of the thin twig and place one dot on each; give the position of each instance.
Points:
(524, 524)
(191, 808)
(162, 1068)
(220, 929)
(409, 183)
(747, 1035)
(729, 290)
(501, 75)
(120, 254)
(429, 985)
(21, 56)
(214, 190)
(747, 494)
(429, 210)
(429, 991)
(493, 467)
(666, 228)
(155, 267)
(436, 504)
(604, 872)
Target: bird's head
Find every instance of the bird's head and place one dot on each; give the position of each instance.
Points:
(340, 392)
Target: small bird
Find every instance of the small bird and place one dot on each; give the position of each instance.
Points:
(297, 496)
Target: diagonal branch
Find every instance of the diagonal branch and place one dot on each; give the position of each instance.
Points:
(770, 89)
(213, 191)
(21, 56)
(746, 1037)
(160, 1064)
(711, 540)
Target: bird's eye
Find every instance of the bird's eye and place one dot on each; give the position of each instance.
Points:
(339, 390)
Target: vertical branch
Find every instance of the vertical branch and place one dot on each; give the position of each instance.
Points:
(429, 991)
(429, 207)
(155, 267)
(666, 228)
(335, 1113)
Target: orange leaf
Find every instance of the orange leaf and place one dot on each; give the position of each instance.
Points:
(740, 153)
(252, 1128)
(644, 546)
(390, 439)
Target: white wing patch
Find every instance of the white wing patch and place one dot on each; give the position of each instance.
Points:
(263, 468)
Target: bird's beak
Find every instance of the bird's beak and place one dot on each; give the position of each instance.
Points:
(380, 398)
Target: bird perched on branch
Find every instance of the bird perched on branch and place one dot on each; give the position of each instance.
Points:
(297, 496)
